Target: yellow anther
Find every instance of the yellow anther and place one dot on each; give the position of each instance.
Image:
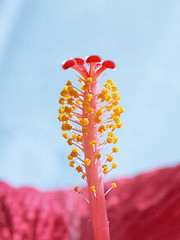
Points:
(71, 164)
(80, 80)
(116, 96)
(88, 97)
(61, 110)
(78, 102)
(109, 158)
(115, 149)
(89, 80)
(114, 165)
(62, 100)
(115, 139)
(93, 189)
(97, 119)
(116, 119)
(74, 136)
(98, 155)
(79, 169)
(109, 140)
(74, 152)
(108, 97)
(69, 141)
(99, 112)
(101, 129)
(87, 161)
(110, 134)
(115, 102)
(76, 189)
(66, 126)
(110, 81)
(70, 157)
(119, 125)
(64, 118)
(83, 176)
(67, 109)
(105, 169)
(109, 108)
(85, 104)
(69, 83)
(113, 185)
(85, 87)
(64, 92)
(79, 138)
(112, 126)
(65, 135)
(104, 91)
(93, 143)
(75, 94)
(108, 86)
(89, 110)
(85, 129)
(70, 101)
(84, 122)
(114, 88)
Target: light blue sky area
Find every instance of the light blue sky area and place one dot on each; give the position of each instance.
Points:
(143, 39)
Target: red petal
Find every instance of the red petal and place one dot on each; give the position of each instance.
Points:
(93, 58)
(109, 64)
(68, 64)
(79, 61)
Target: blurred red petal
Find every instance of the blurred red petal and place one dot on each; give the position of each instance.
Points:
(145, 207)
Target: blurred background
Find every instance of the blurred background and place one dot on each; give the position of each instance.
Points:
(143, 39)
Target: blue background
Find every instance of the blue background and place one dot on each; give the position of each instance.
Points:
(143, 39)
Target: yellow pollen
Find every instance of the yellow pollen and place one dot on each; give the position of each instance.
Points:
(79, 169)
(65, 135)
(115, 149)
(119, 125)
(76, 189)
(71, 164)
(97, 119)
(110, 81)
(98, 155)
(101, 129)
(83, 176)
(93, 143)
(87, 161)
(79, 138)
(114, 165)
(113, 185)
(69, 83)
(88, 97)
(70, 157)
(109, 158)
(99, 112)
(89, 80)
(62, 100)
(74, 136)
(84, 122)
(114, 88)
(85, 104)
(85, 129)
(93, 189)
(69, 141)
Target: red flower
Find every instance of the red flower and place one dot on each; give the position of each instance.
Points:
(145, 207)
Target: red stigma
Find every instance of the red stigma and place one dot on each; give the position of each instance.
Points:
(93, 58)
(68, 64)
(79, 61)
(109, 64)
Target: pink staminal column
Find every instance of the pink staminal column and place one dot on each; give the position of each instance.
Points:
(90, 146)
